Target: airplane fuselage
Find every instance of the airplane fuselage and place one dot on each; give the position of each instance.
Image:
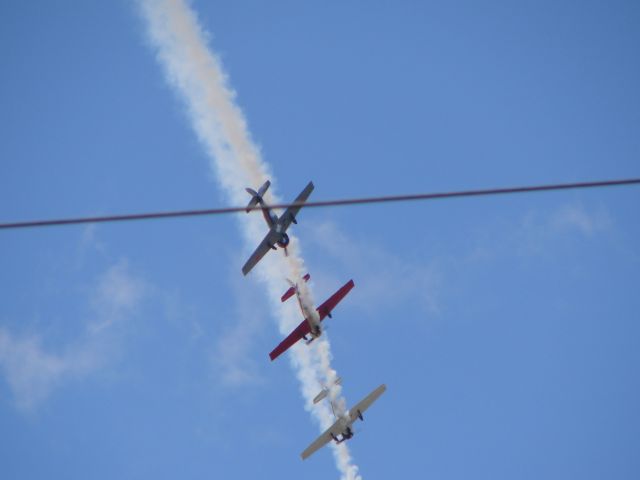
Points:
(311, 315)
(269, 217)
(272, 221)
(346, 432)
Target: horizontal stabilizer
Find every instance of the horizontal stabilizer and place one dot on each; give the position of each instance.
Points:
(289, 293)
(321, 396)
(263, 189)
(256, 197)
(325, 391)
(252, 203)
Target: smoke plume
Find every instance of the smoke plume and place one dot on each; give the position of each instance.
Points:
(198, 78)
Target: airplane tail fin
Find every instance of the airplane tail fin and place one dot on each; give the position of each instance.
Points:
(289, 293)
(256, 197)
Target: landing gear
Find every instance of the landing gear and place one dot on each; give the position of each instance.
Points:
(339, 440)
(346, 435)
(314, 334)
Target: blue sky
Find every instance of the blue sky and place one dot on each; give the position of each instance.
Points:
(505, 328)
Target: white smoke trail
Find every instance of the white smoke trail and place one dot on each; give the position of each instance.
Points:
(197, 76)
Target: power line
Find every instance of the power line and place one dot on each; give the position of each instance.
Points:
(321, 203)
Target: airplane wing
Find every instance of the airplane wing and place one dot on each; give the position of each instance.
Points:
(321, 441)
(359, 408)
(326, 308)
(269, 240)
(290, 213)
(300, 331)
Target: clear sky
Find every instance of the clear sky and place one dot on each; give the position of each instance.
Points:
(506, 329)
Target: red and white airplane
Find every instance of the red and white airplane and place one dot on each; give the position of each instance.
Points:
(312, 317)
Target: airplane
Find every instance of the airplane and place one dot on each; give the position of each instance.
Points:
(277, 225)
(312, 317)
(341, 429)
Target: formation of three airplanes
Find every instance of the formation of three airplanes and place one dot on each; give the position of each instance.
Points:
(310, 328)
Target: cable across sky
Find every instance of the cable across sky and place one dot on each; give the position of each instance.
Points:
(321, 203)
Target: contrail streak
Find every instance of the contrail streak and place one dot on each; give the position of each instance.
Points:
(197, 76)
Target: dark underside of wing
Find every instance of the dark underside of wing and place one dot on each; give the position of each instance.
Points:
(321, 441)
(299, 332)
(269, 240)
(326, 308)
(290, 213)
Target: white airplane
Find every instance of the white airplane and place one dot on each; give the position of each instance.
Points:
(277, 225)
(341, 429)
